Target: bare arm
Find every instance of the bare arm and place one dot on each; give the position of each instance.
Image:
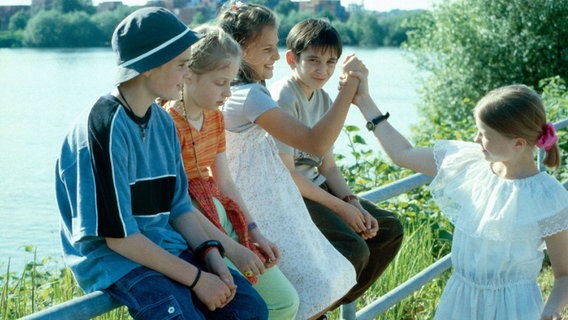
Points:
(214, 290)
(347, 212)
(398, 148)
(339, 187)
(556, 245)
(318, 139)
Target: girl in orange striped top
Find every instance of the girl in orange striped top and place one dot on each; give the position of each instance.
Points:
(214, 63)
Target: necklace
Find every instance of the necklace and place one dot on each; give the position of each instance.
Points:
(187, 116)
(192, 138)
(142, 126)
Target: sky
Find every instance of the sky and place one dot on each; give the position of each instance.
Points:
(379, 5)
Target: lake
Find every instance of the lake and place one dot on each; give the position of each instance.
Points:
(43, 90)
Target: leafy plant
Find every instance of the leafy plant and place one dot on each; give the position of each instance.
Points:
(471, 47)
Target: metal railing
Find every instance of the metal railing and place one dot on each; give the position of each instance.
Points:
(99, 302)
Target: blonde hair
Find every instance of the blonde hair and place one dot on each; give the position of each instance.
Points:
(210, 52)
(213, 49)
(516, 111)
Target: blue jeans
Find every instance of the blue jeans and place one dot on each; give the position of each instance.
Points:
(151, 295)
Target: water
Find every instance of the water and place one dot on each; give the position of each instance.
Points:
(42, 91)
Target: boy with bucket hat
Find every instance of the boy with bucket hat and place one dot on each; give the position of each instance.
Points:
(127, 224)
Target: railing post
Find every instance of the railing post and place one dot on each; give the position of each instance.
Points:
(349, 310)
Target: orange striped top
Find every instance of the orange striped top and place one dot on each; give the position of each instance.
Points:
(209, 141)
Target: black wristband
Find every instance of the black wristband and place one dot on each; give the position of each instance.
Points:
(200, 250)
(197, 276)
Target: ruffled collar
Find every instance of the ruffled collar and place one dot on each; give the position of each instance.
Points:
(482, 204)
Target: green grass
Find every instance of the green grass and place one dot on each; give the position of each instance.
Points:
(38, 286)
(428, 237)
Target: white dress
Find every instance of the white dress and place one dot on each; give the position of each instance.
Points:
(320, 274)
(498, 243)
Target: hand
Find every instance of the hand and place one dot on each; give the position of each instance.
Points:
(353, 64)
(246, 261)
(216, 265)
(372, 225)
(353, 217)
(362, 90)
(268, 249)
(214, 292)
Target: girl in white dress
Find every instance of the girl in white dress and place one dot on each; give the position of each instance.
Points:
(504, 210)
(320, 274)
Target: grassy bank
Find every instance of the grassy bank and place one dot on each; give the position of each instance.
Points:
(427, 238)
(24, 292)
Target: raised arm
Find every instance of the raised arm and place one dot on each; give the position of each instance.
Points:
(397, 147)
(318, 139)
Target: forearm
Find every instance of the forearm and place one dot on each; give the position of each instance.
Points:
(394, 143)
(229, 189)
(397, 147)
(212, 232)
(327, 129)
(335, 181)
(142, 250)
(311, 191)
(558, 297)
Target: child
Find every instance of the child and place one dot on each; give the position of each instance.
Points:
(320, 274)
(504, 210)
(127, 222)
(214, 62)
(314, 47)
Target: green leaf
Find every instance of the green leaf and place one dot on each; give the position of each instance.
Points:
(350, 128)
(357, 139)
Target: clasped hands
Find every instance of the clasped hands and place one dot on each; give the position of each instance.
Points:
(359, 219)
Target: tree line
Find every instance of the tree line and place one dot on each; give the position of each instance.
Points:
(75, 23)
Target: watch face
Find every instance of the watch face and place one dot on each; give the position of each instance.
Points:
(370, 125)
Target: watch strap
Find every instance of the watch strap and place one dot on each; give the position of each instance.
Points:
(372, 124)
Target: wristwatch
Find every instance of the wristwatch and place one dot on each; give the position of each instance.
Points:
(372, 124)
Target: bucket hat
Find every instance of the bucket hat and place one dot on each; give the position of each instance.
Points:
(148, 38)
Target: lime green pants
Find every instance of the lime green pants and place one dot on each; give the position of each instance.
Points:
(273, 286)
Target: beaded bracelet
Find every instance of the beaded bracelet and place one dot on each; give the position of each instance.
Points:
(197, 276)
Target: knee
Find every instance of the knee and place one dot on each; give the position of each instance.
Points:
(392, 228)
(280, 296)
(288, 306)
(358, 253)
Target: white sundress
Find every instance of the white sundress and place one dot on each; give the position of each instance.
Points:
(320, 274)
(498, 243)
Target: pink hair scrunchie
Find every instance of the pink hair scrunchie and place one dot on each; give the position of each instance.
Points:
(548, 138)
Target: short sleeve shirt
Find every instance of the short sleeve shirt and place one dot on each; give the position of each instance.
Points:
(246, 104)
(115, 178)
(290, 98)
